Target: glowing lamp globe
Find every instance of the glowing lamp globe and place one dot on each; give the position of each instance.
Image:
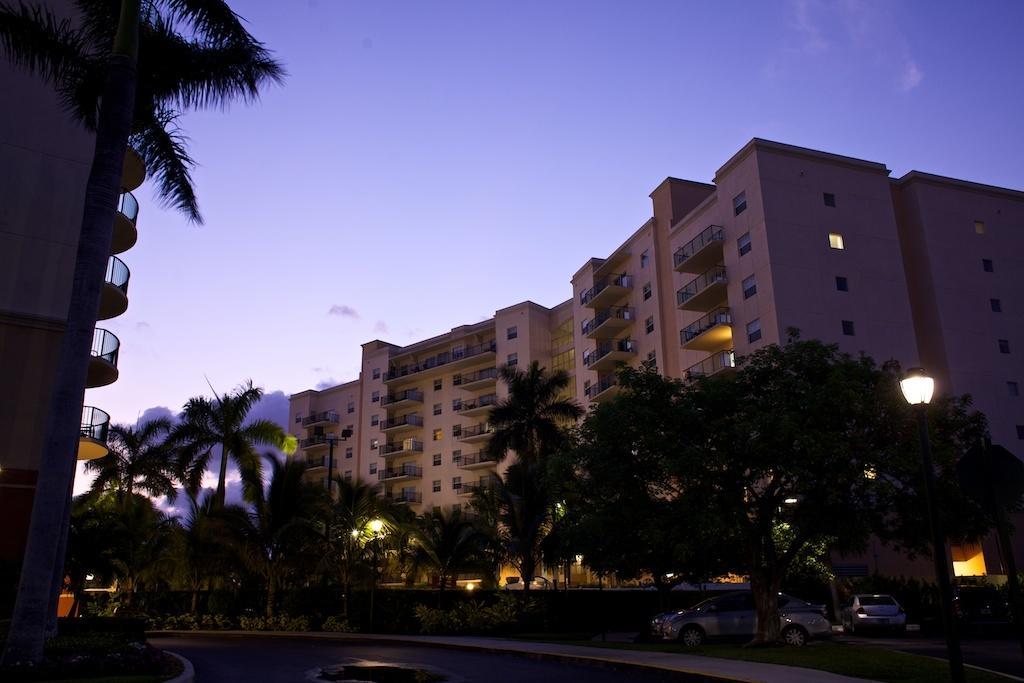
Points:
(917, 387)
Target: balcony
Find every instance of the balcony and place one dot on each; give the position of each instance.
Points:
(125, 232)
(401, 423)
(702, 252)
(476, 433)
(711, 332)
(324, 417)
(92, 438)
(401, 398)
(477, 461)
(315, 462)
(481, 485)
(609, 354)
(704, 292)
(478, 406)
(400, 473)
(404, 497)
(607, 291)
(103, 360)
(449, 360)
(712, 365)
(608, 321)
(114, 297)
(476, 380)
(396, 449)
(134, 170)
(605, 388)
(315, 442)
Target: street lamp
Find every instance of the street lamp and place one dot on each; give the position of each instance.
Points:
(918, 387)
(376, 527)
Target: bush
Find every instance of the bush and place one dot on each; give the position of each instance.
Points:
(279, 623)
(130, 626)
(506, 613)
(334, 624)
(190, 622)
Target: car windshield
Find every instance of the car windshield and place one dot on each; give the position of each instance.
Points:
(872, 600)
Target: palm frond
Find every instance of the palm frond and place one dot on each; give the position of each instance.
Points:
(35, 39)
(163, 147)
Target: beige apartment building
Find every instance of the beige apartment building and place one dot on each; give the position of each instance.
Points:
(922, 269)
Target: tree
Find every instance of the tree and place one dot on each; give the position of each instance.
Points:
(223, 422)
(141, 540)
(139, 460)
(94, 64)
(447, 544)
(90, 551)
(199, 545)
(532, 420)
(523, 510)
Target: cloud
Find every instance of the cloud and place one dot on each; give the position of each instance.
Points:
(143, 326)
(812, 40)
(910, 77)
(327, 384)
(381, 327)
(157, 413)
(343, 311)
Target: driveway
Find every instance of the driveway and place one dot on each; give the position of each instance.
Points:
(998, 654)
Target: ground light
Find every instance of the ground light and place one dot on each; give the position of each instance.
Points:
(918, 387)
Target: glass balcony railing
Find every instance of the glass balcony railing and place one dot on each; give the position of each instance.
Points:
(613, 314)
(105, 345)
(117, 274)
(95, 424)
(398, 397)
(621, 280)
(409, 420)
(618, 346)
(714, 363)
(442, 359)
(485, 375)
(406, 470)
(711, 235)
(475, 403)
(700, 283)
(128, 206)
(324, 416)
(405, 446)
(719, 316)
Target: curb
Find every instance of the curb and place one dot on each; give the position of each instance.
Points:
(188, 674)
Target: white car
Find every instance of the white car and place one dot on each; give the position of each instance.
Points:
(863, 612)
(539, 583)
(732, 616)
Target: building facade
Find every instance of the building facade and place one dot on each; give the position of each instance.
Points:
(921, 270)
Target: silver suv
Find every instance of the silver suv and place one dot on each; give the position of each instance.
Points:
(732, 616)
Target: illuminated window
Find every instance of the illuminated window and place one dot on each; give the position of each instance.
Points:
(841, 284)
(968, 559)
(739, 203)
(749, 287)
(830, 199)
(743, 243)
(562, 335)
(835, 240)
(986, 265)
(848, 328)
(979, 227)
(566, 360)
(753, 330)
(438, 434)
(374, 443)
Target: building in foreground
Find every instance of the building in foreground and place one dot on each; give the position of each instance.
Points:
(924, 270)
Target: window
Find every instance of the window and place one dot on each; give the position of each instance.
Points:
(1004, 346)
(645, 258)
(979, 227)
(512, 332)
(651, 356)
(830, 199)
(457, 457)
(512, 360)
(753, 330)
(373, 468)
(376, 397)
(649, 324)
(848, 328)
(744, 243)
(348, 453)
(749, 287)
(351, 407)
(996, 304)
(457, 430)
(647, 291)
(376, 373)
(986, 265)
(456, 483)
(456, 404)
(374, 420)
(835, 240)
(437, 409)
(841, 284)
(298, 418)
(1013, 389)
(348, 475)
(456, 507)
(437, 459)
(438, 434)
(374, 443)
(436, 486)
(438, 383)
(739, 203)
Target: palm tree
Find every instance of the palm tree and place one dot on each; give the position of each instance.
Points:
(222, 422)
(142, 543)
(523, 518)
(94, 64)
(532, 420)
(90, 550)
(139, 460)
(198, 545)
(448, 544)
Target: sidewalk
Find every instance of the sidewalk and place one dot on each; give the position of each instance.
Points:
(727, 669)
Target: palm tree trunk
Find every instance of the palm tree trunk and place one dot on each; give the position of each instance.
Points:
(57, 465)
(271, 595)
(58, 569)
(223, 477)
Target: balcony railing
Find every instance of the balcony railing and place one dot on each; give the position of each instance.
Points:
(398, 397)
(478, 430)
(476, 403)
(128, 206)
(442, 359)
(402, 497)
(619, 281)
(324, 416)
(407, 470)
(481, 485)
(485, 375)
(95, 424)
(405, 446)
(117, 274)
(408, 420)
(471, 461)
(723, 360)
(615, 346)
(105, 345)
(700, 284)
(623, 314)
(716, 318)
(602, 385)
(314, 461)
(313, 441)
(713, 235)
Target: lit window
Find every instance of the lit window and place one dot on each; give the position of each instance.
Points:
(438, 434)
(438, 383)
(348, 453)
(374, 443)
(841, 284)
(512, 360)
(1013, 389)
(753, 331)
(830, 199)
(649, 324)
(373, 468)
(835, 240)
(437, 459)
(848, 328)
(1004, 346)
(437, 486)
(512, 332)
(986, 265)
(376, 396)
(374, 420)
(739, 203)
(744, 243)
(996, 304)
(647, 291)
(437, 409)
(376, 373)
(979, 227)
(749, 287)
(644, 259)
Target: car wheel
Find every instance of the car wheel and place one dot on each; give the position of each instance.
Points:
(795, 636)
(691, 636)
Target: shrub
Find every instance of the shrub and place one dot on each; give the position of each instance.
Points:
(334, 624)
(279, 623)
(131, 626)
(503, 615)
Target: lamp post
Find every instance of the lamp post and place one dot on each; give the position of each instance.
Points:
(376, 527)
(331, 440)
(918, 387)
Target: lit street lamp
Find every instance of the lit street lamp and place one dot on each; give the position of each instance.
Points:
(918, 387)
(376, 527)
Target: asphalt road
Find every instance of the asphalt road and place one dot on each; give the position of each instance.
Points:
(252, 659)
(1002, 654)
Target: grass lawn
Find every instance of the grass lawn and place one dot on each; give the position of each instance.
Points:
(848, 660)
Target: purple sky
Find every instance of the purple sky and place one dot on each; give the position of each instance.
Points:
(427, 163)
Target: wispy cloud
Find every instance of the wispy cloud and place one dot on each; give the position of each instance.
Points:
(381, 327)
(911, 76)
(142, 326)
(343, 311)
(327, 383)
(812, 38)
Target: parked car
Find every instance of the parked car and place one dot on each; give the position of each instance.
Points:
(981, 608)
(539, 583)
(732, 616)
(864, 612)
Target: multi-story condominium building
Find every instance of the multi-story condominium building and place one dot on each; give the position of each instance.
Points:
(44, 161)
(922, 270)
